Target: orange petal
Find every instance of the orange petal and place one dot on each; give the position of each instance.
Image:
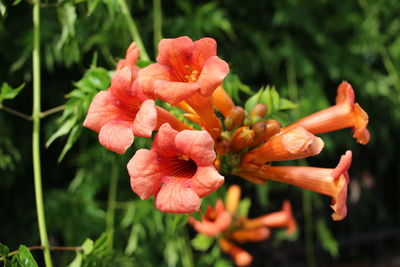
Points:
(241, 257)
(232, 198)
(222, 101)
(251, 235)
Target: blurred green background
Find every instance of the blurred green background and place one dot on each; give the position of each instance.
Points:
(303, 48)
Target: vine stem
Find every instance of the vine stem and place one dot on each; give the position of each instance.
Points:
(112, 198)
(36, 135)
(41, 247)
(157, 25)
(133, 30)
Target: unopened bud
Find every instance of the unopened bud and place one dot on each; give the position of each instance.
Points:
(272, 127)
(229, 125)
(242, 138)
(247, 121)
(259, 128)
(237, 114)
(259, 110)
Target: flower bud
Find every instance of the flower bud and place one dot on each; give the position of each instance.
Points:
(229, 125)
(242, 138)
(237, 114)
(259, 110)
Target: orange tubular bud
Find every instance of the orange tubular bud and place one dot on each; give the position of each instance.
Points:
(222, 101)
(345, 114)
(237, 114)
(203, 106)
(232, 198)
(283, 218)
(295, 143)
(241, 257)
(259, 110)
(192, 118)
(242, 138)
(330, 182)
(164, 116)
(250, 176)
(272, 127)
(251, 235)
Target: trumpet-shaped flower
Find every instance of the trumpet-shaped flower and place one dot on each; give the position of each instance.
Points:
(184, 68)
(295, 143)
(345, 114)
(118, 115)
(240, 256)
(214, 222)
(178, 170)
(327, 181)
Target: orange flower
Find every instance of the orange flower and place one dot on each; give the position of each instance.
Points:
(331, 182)
(344, 114)
(250, 235)
(214, 222)
(283, 218)
(295, 143)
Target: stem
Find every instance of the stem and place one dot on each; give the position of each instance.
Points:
(16, 113)
(36, 135)
(51, 111)
(187, 256)
(308, 228)
(41, 247)
(133, 29)
(112, 198)
(157, 25)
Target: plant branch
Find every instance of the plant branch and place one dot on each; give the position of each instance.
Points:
(36, 135)
(157, 23)
(112, 197)
(41, 247)
(133, 30)
(51, 111)
(16, 113)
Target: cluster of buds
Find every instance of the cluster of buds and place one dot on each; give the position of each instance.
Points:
(184, 164)
(232, 229)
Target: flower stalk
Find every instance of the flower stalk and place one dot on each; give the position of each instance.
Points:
(36, 135)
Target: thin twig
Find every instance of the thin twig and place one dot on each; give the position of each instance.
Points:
(16, 113)
(51, 111)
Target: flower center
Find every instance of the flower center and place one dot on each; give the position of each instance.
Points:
(192, 77)
(180, 166)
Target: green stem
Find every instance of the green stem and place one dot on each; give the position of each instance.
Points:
(112, 200)
(36, 135)
(187, 256)
(133, 29)
(308, 228)
(16, 113)
(157, 25)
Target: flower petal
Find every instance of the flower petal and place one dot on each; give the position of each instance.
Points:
(174, 92)
(147, 76)
(117, 136)
(175, 53)
(121, 84)
(146, 119)
(206, 180)
(203, 50)
(213, 73)
(101, 111)
(145, 173)
(164, 141)
(198, 145)
(176, 196)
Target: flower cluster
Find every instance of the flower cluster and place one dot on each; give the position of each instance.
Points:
(187, 155)
(231, 229)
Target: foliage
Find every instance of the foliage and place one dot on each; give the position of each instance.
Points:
(302, 49)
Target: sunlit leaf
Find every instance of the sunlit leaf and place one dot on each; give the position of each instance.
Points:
(202, 242)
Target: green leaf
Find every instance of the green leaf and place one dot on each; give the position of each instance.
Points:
(326, 238)
(23, 258)
(7, 92)
(286, 104)
(244, 206)
(202, 242)
(252, 101)
(4, 254)
(92, 4)
(3, 8)
(178, 221)
(16, 2)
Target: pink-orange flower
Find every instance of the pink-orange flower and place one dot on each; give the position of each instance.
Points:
(184, 68)
(214, 222)
(178, 169)
(118, 115)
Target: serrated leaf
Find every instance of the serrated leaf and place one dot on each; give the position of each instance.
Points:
(244, 207)
(202, 242)
(7, 92)
(4, 250)
(23, 258)
(72, 137)
(326, 238)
